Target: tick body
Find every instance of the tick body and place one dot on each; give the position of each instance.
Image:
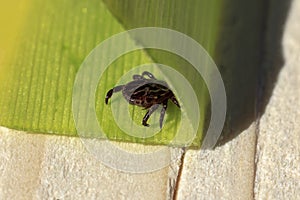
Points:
(148, 93)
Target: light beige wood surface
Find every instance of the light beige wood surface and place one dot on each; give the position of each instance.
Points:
(278, 149)
(55, 167)
(223, 173)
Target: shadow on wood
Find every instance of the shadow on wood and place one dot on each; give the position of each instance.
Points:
(250, 57)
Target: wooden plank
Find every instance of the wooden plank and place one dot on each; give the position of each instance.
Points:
(278, 154)
(36, 166)
(224, 173)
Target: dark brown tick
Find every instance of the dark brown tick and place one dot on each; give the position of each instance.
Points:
(148, 93)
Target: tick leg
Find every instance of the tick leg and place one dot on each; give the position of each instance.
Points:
(149, 113)
(145, 73)
(162, 113)
(137, 77)
(111, 91)
(175, 101)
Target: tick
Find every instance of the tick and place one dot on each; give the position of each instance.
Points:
(148, 93)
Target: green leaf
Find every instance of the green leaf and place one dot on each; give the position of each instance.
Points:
(38, 70)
